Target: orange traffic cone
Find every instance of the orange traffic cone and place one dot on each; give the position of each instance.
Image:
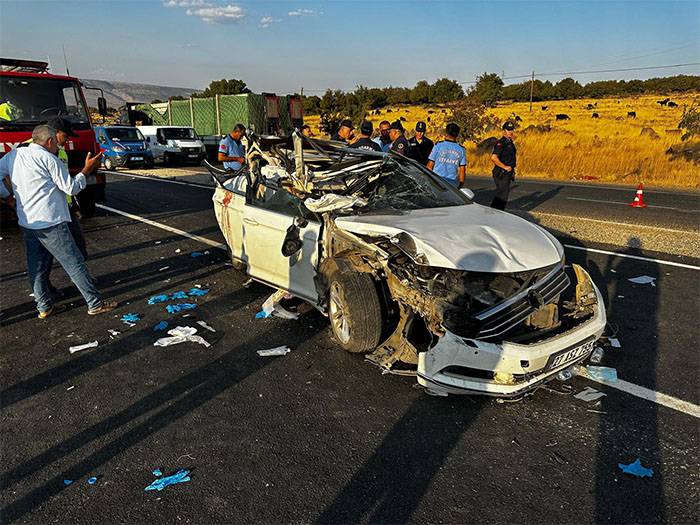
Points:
(638, 201)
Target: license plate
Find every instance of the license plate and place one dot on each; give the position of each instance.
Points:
(136, 158)
(570, 354)
(192, 156)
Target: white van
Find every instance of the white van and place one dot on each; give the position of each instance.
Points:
(174, 143)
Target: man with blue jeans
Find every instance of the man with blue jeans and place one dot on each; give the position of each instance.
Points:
(40, 182)
(449, 159)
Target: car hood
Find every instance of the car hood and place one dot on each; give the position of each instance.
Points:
(470, 237)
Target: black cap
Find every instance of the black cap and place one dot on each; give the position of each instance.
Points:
(346, 123)
(420, 126)
(508, 125)
(396, 125)
(61, 124)
(366, 127)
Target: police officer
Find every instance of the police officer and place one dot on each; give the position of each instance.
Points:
(344, 133)
(503, 171)
(399, 144)
(448, 159)
(421, 146)
(231, 151)
(383, 140)
(365, 142)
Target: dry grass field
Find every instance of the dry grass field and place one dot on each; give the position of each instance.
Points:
(611, 148)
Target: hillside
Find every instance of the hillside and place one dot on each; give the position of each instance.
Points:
(118, 93)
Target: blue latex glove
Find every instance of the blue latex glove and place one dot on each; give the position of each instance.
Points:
(157, 299)
(197, 292)
(636, 469)
(181, 476)
(175, 308)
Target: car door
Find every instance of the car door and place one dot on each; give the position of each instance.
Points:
(229, 202)
(265, 224)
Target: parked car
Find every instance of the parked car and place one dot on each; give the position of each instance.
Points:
(174, 144)
(408, 269)
(123, 146)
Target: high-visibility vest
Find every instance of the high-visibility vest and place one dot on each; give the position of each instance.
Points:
(8, 111)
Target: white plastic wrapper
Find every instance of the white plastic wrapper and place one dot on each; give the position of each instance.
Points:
(279, 350)
(180, 334)
(332, 202)
(74, 349)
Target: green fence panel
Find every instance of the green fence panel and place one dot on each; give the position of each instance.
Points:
(233, 110)
(256, 113)
(285, 119)
(156, 116)
(204, 115)
(180, 113)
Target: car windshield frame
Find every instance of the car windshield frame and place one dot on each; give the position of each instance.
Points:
(34, 106)
(172, 133)
(139, 135)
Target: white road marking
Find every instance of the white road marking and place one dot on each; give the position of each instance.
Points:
(653, 396)
(619, 202)
(624, 386)
(158, 179)
(165, 227)
(602, 221)
(637, 257)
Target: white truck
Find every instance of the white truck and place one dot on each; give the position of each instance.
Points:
(171, 144)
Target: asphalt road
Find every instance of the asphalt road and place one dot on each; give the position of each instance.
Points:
(318, 435)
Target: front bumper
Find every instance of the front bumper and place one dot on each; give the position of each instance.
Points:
(456, 365)
(132, 159)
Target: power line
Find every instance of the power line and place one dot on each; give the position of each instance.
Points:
(604, 70)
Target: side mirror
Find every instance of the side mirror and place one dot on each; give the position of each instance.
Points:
(148, 139)
(469, 193)
(102, 106)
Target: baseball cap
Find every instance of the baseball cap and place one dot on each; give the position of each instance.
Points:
(61, 124)
(396, 125)
(346, 123)
(420, 126)
(366, 127)
(508, 125)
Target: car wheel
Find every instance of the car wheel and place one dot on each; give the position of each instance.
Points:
(109, 165)
(354, 311)
(166, 159)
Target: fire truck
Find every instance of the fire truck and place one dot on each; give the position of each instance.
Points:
(30, 95)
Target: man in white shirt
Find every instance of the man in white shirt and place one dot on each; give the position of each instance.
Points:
(40, 182)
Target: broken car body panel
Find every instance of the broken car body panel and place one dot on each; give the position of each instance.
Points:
(473, 300)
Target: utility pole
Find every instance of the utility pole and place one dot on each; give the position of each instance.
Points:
(532, 88)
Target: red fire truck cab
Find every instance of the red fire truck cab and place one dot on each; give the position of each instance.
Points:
(29, 96)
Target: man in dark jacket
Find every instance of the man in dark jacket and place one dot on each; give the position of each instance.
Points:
(421, 146)
(504, 160)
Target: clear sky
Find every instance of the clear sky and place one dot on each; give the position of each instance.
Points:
(280, 46)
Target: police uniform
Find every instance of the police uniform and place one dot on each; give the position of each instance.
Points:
(364, 142)
(420, 151)
(232, 148)
(506, 152)
(400, 145)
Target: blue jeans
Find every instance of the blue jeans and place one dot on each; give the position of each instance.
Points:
(56, 242)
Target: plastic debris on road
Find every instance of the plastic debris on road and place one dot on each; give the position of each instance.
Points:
(597, 373)
(113, 333)
(163, 268)
(157, 299)
(279, 350)
(197, 292)
(196, 254)
(205, 325)
(181, 476)
(160, 326)
(130, 318)
(176, 308)
(67, 482)
(597, 355)
(248, 283)
(636, 469)
(271, 307)
(181, 334)
(157, 472)
(178, 295)
(589, 394)
(92, 480)
(614, 342)
(643, 279)
(78, 348)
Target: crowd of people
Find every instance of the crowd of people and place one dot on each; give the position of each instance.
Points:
(447, 158)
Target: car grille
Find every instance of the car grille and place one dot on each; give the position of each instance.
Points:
(498, 319)
(190, 150)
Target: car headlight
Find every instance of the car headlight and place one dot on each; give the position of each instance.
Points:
(118, 149)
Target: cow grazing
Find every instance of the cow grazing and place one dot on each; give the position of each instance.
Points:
(518, 119)
(631, 114)
(431, 111)
(589, 106)
(562, 116)
(403, 119)
(428, 119)
(595, 115)
(663, 102)
(388, 111)
(544, 108)
(671, 104)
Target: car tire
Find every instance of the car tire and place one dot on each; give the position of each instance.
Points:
(166, 159)
(109, 165)
(354, 311)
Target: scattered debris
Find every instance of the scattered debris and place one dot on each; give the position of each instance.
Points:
(164, 268)
(196, 254)
(636, 469)
(67, 482)
(597, 373)
(178, 295)
(157, 299)
(564, 375)
(70, 388)
(158, 242)
(597, 355)
(205, 325)
(614, 342)
(206, 252)
(271, 307)
(248, 283)
(157, 472)
(181, 476)
(643, 279)
(596, 411)
(180, 334)
(279, 350)
(178, 250)
(197, 292)
(160, 326)
(78, 348)
(92, 480)
(113, 333)
(589, 394)
(130, 318)
(176, 308)
(198, 286)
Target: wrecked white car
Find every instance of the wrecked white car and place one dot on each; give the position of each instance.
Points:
(409, 270)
